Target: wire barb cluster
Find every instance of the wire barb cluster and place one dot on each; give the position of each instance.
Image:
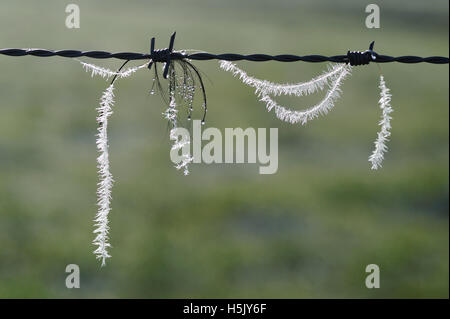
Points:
(362, 58)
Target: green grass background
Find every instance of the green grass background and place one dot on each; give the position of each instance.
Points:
(307, 231)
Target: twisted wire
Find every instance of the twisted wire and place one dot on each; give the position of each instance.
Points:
(203, 56)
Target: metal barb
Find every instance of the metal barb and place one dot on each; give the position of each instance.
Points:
(163, 55)
(166, 67)
(373, 54)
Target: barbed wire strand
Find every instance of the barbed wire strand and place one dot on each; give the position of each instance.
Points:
(204, 56)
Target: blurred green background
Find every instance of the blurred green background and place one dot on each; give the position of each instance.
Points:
(307, 231)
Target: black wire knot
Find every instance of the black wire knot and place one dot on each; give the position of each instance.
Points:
(164, 55)
(362, 58)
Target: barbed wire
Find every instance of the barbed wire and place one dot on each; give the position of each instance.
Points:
(168, 54)
(203, 56)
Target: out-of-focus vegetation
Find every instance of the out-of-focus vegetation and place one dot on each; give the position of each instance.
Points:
(225, 231)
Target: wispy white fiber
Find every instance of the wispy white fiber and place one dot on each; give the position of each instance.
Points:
(106, 179)
(107, 73)
(302, 117)
(179, 143)
(264, 90)
(383, 135)
(171, 115)
(264, 87)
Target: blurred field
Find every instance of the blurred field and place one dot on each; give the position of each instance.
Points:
(225, 231)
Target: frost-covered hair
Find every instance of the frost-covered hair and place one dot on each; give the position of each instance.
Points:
(105, 176)
(332, 78)
(383, 135)
(104, 186)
